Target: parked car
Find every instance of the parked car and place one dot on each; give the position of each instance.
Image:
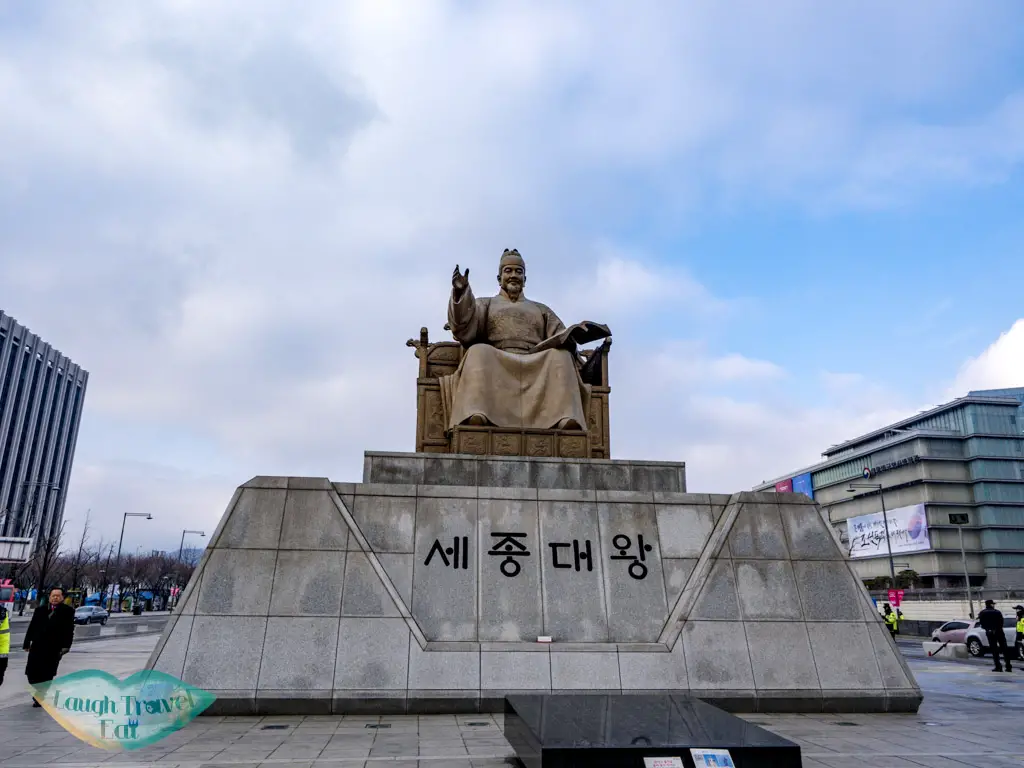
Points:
(91, 614)
(952, 631)
(977, 640)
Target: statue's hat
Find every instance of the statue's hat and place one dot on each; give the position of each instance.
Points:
(511, 257)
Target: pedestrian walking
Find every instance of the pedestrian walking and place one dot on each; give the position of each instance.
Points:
(1018, 644)
(5, 641)
(50, 634)
(891, 621)
(991, 621)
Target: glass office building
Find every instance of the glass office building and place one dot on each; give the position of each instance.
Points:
(964, 457)
(41, 398)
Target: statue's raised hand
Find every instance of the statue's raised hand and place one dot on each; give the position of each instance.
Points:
(460, 282)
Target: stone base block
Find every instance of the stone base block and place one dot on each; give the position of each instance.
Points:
(547, 472)
(736, 702)
(427, 593)
(87, 631)
(946, 650)
(502, 441)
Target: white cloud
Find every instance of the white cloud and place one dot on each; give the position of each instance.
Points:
(1000, 366)
(689, 363)
(177, 500)
(234, 220)
(736, 422)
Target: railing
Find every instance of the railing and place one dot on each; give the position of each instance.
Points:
(978, 594)
(121, 628)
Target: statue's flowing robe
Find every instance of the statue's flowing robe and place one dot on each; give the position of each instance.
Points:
(498, 378)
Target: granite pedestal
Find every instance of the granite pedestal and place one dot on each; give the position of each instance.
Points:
(604, 731)
(425, 588)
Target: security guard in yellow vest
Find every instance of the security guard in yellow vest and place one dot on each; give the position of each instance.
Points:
(891, 621)
(5, 640)
(1019, 644)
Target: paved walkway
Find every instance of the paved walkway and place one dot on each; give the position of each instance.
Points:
(970, 717)
(118, 657)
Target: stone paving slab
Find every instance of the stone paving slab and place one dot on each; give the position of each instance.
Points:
(970, 717)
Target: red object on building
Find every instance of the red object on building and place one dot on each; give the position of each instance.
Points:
(7, 591)
(786, 486)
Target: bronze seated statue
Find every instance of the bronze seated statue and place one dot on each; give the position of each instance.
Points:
(514, 382)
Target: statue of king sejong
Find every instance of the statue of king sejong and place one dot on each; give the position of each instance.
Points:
(521, 367)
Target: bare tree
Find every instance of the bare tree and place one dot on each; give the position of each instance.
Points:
(78, 561)
(157, 574)
(190, 556)
(41, 566)
(106, 574)
(96, 569)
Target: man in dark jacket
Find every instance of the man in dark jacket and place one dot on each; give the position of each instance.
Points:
(991, 621)
(49, 637)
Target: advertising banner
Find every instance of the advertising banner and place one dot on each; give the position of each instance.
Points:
(908, 532)
(786, 486)
(802, 484)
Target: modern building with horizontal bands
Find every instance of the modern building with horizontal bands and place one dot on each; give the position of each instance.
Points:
(965, 457)
(41, 397)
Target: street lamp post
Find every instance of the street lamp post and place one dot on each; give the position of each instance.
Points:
(102, 575)
(960, 519)
(117, 565)
(181, 549)
(885, 519)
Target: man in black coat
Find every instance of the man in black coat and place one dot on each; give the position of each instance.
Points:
(991, 621)
(49, 637)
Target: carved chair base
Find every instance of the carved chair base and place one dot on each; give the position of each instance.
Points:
(503, 441)
(432, 435)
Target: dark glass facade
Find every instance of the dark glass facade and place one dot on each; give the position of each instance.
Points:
(41, 398)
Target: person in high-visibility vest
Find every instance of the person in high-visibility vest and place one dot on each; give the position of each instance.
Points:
(5, 640)
(1019, 644)
(891, 621)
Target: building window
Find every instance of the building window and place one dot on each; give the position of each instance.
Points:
(1002, 539)
(1006, 492)
(992, 419)
(994, 446)
(1009, 516)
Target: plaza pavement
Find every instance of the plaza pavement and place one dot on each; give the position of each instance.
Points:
(970, 717)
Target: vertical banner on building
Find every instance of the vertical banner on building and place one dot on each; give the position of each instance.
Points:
(786, 486)
(802, 484)
(908, 532)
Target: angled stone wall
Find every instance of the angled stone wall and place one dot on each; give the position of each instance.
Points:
(317, 597)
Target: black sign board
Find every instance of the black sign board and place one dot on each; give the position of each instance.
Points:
(958, 518)
(564, 730)
(870, 472)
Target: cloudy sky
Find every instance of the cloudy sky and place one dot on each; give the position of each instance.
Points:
(800, 219)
